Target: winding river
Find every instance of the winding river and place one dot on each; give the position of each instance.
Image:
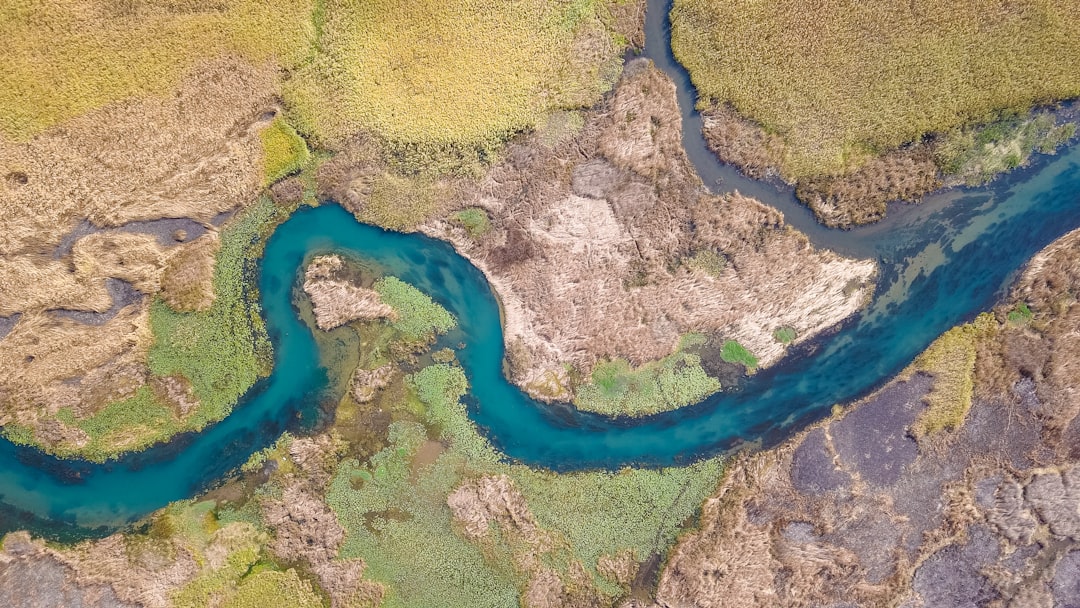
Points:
(942, 262)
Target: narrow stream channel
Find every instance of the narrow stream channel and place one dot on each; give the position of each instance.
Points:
(942, 263)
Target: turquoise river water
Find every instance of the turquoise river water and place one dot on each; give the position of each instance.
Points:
(942, 262)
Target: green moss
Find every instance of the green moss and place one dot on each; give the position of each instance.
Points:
(785, 335)
(474, 220)
(733, 352)
(419, 317)
(284, 151)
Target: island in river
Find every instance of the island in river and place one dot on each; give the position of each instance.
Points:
(625, 285)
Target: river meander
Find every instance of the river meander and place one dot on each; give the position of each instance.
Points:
(942, 263)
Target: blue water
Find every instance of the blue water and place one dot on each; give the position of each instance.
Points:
(942, 263)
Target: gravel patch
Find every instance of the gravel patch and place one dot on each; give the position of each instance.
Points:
(872, 439)
(123, 294)
(1066, 582)
(812, 468)
(44, 582)
(7, 324)
(951, 578)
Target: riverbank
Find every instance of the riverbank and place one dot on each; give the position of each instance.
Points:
(851, 118)
(859, 509)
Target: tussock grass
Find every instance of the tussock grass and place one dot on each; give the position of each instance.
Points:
(841, 81)
(284, 151)
(460, 71)
(733, 352)
(670, 383)
(951, 361)
(62, 59)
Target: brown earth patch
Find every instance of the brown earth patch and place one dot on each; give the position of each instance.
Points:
(591, 238)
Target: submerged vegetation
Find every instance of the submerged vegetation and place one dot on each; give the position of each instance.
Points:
(840, 82)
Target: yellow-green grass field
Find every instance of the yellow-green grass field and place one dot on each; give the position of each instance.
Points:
(840, 81)
(463, 71)
(63, 58)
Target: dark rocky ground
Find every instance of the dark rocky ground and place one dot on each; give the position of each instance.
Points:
(858, 512)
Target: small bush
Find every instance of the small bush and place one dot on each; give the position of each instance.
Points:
(284, 151)
(1021, 314)
(475, 221)
(733, 352)
(785, 335)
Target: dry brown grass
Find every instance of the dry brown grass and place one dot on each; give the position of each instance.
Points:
(57, 363)
(187, 279)
(336, 300)
(589, 240)
(860, 197)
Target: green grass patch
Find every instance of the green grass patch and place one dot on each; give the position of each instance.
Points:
(62, 59)
(474, 220)
(397, 519)
(284, 151)
(733, 352)
(224, 350)
(452, 71)
(840, 81)
(977, 154)
(419, 317)
(785, 335)
(670, 383)
(128, 425)
(1021, 314)
(951, 361)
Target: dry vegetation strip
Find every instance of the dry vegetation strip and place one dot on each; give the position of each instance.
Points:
(839, 80)
(64, 58)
